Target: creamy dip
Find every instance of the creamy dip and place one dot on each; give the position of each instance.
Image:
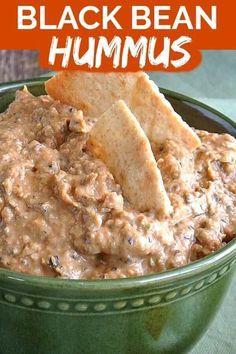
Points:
(63, 214)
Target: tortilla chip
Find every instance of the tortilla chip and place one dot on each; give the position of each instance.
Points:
(94, 93)
(118, 139)
(158, 118)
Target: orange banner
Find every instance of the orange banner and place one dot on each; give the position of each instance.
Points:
(122, 36)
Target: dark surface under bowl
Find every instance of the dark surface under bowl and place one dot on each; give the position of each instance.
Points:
(163, 313)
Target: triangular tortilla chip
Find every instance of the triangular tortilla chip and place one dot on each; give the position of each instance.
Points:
(158, 118)
(94, 93)
(118, 139)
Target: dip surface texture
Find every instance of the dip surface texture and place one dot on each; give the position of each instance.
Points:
(63, 214)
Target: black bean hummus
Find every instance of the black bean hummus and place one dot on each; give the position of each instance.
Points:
(63, 214)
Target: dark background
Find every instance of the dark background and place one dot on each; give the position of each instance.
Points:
(19, 64)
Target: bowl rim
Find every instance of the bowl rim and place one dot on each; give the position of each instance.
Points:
(172, 94)
(172, 275)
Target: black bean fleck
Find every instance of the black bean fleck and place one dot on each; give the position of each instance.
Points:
(74, 255)
(223, 221)
(127, 260)
(215, 197)
(187, 237)
(130, 241)
(54, 261)
(197, 215)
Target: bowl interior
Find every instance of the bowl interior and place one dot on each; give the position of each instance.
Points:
(197, 115)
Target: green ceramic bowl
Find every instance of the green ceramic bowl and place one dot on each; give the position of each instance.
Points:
(162, 313)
